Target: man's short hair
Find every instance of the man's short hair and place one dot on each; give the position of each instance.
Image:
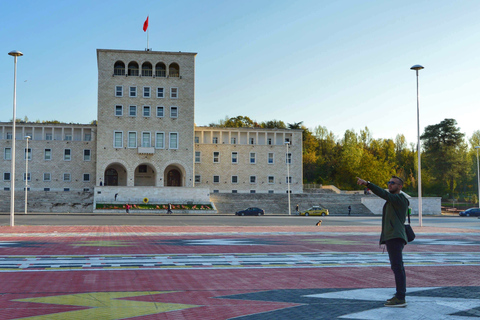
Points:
(399, 179)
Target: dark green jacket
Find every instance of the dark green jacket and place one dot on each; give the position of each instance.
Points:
(394, 214)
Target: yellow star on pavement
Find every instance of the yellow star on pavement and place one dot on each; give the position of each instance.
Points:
(105, 306)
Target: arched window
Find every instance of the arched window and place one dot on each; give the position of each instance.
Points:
(146, 69)
(160, 70)
(174, 70)
(133, 69)
(119, 68)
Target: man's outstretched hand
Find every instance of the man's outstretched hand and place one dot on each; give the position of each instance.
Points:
(361, 182)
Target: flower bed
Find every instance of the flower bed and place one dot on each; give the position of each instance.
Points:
(151, 206)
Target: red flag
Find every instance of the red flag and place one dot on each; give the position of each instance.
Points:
(145, 25)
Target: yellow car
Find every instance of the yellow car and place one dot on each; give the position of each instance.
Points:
(315, 211)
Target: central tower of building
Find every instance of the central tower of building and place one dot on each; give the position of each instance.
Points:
(146, 108)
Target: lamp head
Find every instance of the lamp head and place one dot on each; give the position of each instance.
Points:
(15, 53)
(477, 147)
(28, 137)
(416, 67)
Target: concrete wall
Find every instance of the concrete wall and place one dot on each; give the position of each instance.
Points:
(430, 205)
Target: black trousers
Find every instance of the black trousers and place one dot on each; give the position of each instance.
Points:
(395, 253)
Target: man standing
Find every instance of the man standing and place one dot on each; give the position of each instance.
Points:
(393, 232)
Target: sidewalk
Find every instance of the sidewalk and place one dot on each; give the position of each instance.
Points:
(144, 272)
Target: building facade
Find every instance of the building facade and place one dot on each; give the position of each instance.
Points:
(145, 136)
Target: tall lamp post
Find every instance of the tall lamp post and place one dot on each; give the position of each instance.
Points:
(478, 178)
(288, 179)
(418, 67)
(15, 54)
(26, 173)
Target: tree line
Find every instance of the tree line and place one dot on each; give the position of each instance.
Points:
(448, 157)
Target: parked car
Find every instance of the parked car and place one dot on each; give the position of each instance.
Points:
(250, 212)
(315, 211)
(474, 212)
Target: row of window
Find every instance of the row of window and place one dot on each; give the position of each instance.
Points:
(233, 140)
(251, 191)
(234, 179)
(147, 69)
(47, 154)
(48, 189)
(47, 176)
(146, 140)
(147, 92)
(50, 137)
(235, 155)
(146, 111)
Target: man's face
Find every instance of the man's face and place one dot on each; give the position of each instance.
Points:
(394, 185)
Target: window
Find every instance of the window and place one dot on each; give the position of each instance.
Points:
(86, 189)
(198, 178)
(48, 136)
(119, 68)
(234, 191)
(288, 180)
(253, 191)
(132, 139)
(119, 110)
(234, 179)
(173, 93)
(288, 158)
(86, 177)
(215, 191)
(118, 139)
(66, 177)
(173, 112)
(6, 176)
(160, 70)
(47, 155)
(233, 140)
(7, 154)
(132, 111)
(46, 189)
(216, 157)
(68, 137)
(173, 140)
(269, 141)
(9, 136)
(147, 69)
(146, 141)
(133, 69)
(160, 112)
(66, 189)
(198, 155)
(87, 137)
(160, 93)
(216, 179)
(252, 140)
(252, 157)
(253, 179)
(271, 191)
(160, 140)
(197, 139)
(146, 111)
(270, 158)
(133, 92)
(174, 70)
(234, 157)
(27, 153)
(119, 91)
(87, 155)
(214, 140)
(271, 179)
(67, 154)
(146, 92)
(28, 176)
(47, 176)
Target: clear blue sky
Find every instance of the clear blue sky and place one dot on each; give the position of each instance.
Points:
(339, 64)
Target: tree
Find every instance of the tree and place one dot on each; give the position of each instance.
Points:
(295, 125)
(445, 154)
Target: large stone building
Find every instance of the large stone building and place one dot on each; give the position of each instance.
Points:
(146, 143)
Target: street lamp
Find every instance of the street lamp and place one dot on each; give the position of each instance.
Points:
(416, 68)
(15, 54)
(288, 179)
(478, 178)
(26, 173)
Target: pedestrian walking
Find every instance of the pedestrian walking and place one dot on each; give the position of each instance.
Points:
(349, 209)
(296, 209)
(116, 195)
(169, 209)
(393, 232)
(127, 208)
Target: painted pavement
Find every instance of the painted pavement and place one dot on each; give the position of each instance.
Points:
(220, 275)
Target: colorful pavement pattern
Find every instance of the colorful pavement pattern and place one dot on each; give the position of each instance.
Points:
(248, 273)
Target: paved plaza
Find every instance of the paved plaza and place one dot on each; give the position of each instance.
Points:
(248, 273)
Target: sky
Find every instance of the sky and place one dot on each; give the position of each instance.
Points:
(343, 65)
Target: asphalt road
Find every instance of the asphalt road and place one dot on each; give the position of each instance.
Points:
(220, 220)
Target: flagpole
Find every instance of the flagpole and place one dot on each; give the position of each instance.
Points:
(147, 41)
